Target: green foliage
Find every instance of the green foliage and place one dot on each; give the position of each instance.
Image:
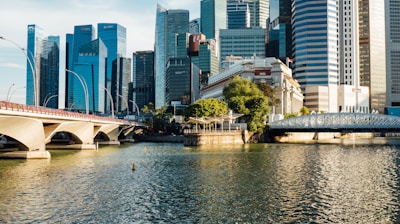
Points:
(246, 98)
(206, 108)
(289, 115)
(269, 92)
(149, 108)
(304, 110)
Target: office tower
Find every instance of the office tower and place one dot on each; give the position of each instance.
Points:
(351, 97)
(238, 14)
(114, 37)
(121, 70)
(280, 30)
(169, 25)
(143, 78)
(44, 55)
(392, 10)
(194, 26)
(315, 49)
(178, 81)
(83, 34)
(373, 51)
(242, 42)
(90, 74)
(259, 12)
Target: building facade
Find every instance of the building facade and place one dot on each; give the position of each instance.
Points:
(392, 10)
(42, 75)
(315, 49)
(238, 14)
(143, 79)
(259, 12)
(121, 70)
(169, 24)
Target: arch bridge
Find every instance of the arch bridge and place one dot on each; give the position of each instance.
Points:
(338, 122)
(30, 130)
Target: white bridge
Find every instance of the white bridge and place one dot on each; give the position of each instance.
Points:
(34, 129)
(338, 122)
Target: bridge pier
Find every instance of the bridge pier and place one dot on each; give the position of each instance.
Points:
(25, 155)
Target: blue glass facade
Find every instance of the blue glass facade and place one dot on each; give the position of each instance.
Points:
(44, 54)
(91, 68)
(114, 37)
(238, 14)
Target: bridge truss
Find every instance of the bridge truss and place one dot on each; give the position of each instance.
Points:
(338, 122)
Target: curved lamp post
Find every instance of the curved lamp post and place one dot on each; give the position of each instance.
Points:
(8, 92)
(35, 93)
(111, 100)
(137, 108)
(85, 88)
(126, 103)
(48, 99)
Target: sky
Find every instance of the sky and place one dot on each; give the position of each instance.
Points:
(58, 17)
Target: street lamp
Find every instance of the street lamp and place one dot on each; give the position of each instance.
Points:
(111, 99)
(35, 93)
(48, 99)
(137, 108)
(126, 103)
(8, 92)
(85, 88)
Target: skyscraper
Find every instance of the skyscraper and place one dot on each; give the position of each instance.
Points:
(114, 37)
(83, 34)
(44, 54)
(259, 12)
(143, 78)
(315, 45)
(238, 14)
(169, 25)
(392, 10)
(280, 30)
(373, 51)
(121, 70)
(90, 67)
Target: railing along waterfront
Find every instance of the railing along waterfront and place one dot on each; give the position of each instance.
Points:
(209, 131)
(4, 105)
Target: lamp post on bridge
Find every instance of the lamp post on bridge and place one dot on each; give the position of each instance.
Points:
(137, 108)
(35, 92)
(111, 100)
(126, 103)
(84, 86)
(48, 99)
(8, 92)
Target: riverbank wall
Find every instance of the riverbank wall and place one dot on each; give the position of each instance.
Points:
(192, 138)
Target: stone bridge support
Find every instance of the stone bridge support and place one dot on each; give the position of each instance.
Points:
(81, 131)
(110, 131)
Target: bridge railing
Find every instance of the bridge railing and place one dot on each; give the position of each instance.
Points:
(5, 105)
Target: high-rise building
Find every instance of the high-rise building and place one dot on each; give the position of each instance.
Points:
(280, 30)
(178, 81)
(143, 78)
(91, 69)
(44, 54)
(114, 37)
(82, 35)
(169, 25)
(121, 70)
(315, 49)
(194, 26)
(373, 51)
(392, 10)
(242, 42)
(238, 14)
(259, 12)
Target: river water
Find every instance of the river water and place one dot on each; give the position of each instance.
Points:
(254, 183)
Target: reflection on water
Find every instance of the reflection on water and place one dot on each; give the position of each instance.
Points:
(263, 183)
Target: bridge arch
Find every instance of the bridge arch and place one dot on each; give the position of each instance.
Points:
(81, 131)
(27, 131)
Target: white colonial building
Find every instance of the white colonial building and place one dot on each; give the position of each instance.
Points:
(268, 70)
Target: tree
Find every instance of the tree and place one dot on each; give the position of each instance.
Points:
(304, 110)
(246, 98)
(206, 108)
(269, 92)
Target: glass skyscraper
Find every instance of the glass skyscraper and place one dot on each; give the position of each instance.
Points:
(143, 78)
(91, 69)
(114, 37)
(169, 25)
(315, 45)
(259, 12)
(238, 14)
(392, 9)
(44, 54)
(83, 34)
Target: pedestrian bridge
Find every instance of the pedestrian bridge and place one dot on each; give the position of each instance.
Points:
(34, 129)
(338, 122)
